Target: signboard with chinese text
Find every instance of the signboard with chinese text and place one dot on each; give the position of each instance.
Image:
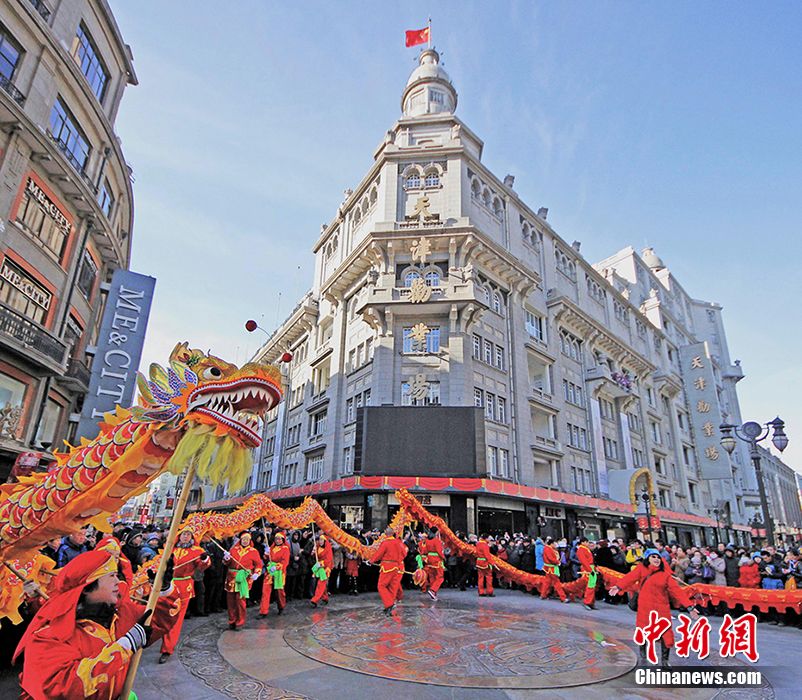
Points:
(119, 348)
(700, 389)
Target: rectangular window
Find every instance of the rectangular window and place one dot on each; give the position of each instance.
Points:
(317, 424)
(349, 410)
(490, 406)
(634, 422)
(488, 352)
(477, 347)
(348, 460)
(478, 398)
(656, 434)
(69, 136)
(650, 396)
(87, 57)
(577, 437)
(692, 492)
(22, 293)
(504, 463)
(499, 357)
(360, 355)
(368, 349)
(105, 198)
(573, 393)
(42, 218)
(659, 465)
(501, 410)
(314, 467)
(610, 448)
(87, 275)
(427, 396)
(607, 409)
(575, 478)
(534, 325)
(681, 420)
(492, 460)
(10, 53)
(431, 343)
(637, 457)
(366, 394)
(351, 360)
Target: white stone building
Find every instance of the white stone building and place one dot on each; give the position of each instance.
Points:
(435, 284)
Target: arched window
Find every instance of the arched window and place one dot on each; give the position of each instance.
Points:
(413, 179)
(373, 196)
(410, 277)
(432, 279)
(486, 198)
(357, 215)
(476, 189)
(432, 179)
(365, 206)
(485, 292)
(498, 210)
(527, 233)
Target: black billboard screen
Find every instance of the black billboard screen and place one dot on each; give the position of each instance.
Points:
(420, 441)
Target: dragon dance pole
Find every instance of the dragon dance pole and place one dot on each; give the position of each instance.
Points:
(157, 582)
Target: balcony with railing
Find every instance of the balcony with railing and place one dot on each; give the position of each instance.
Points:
(35, 342)
(10, 88)
(77, 375)
(74, 162)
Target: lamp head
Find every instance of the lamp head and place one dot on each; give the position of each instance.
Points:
(779, 439)
(727, 441)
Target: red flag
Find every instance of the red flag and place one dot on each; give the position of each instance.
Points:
(417, 36)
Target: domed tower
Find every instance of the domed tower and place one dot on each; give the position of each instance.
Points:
(429, 89)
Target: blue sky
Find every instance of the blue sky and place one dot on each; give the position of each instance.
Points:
(673, 125)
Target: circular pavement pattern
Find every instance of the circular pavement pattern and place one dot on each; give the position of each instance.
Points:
(476, 647)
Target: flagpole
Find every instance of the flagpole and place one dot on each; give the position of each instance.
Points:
(429, 34)
(155, 591)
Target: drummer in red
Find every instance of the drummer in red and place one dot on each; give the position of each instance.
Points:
(390, 557)
(279, 560)
(188, 558)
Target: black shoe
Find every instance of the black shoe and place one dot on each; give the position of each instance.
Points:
(588, 607)
(491, 595)
(262, 615)
(325, 601)
(388, 612)
(164, 657)
(665, 651)
(313, 603)
(232, 626)
(280, 610)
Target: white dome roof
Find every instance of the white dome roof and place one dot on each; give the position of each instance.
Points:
(429, 89)
(652, 259)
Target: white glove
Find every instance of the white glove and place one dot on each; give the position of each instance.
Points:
(254, 577)
(31, 588)
(226, 556)
(134, 638)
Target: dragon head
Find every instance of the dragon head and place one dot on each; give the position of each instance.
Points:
(216, 405)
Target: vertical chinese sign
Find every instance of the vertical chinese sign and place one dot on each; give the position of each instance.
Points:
(119, 348)
(700, 389)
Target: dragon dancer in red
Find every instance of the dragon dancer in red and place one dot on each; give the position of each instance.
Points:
(434, 563)
(657, 589)
(551, 568)
(390, 557)
(275, 575)
(80, 642)
(324, 563)
(588, 571)
(244, 567)
(188, 558)
(484, 569)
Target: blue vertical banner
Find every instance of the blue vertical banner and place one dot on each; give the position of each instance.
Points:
(119, 348)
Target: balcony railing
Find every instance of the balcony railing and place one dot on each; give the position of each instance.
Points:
(8, 86)
(31, 335)
(79, 372)
(74, 162)
(42, 9)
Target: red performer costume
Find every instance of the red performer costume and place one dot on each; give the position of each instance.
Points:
(657, 590)
(244, 567)
(187, 559)
(280, 558)
(325, 557)
(390, 556)
(81, 640)
(484, 569)
(551, 567)
(434, 559)
(588, 569)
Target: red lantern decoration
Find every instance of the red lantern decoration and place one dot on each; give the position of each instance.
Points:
(251, 325)
(286, 357)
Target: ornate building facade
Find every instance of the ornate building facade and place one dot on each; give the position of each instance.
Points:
(454, 343)
(67, 209)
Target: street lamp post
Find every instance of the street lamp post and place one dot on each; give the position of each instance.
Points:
(716, 513)
(753, 433)
(646, 498)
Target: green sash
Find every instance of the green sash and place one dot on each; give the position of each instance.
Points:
(241, 583)
(278, 576)
(592, 576)
(319, 571)
(419, 561)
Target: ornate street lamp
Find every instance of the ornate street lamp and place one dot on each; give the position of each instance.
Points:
(716, 513)
(753, 433)
(646, 497)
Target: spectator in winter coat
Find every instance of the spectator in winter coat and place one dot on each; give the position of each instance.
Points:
(749, 571)
(634, 554)
(528, 557)
(718, 565)
(732, 571)
(679, 563)
(71, 546)
(619, 559)
(539, 554)
(694, 573)
(771, 574)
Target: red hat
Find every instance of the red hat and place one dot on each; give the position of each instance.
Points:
(58, 613)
